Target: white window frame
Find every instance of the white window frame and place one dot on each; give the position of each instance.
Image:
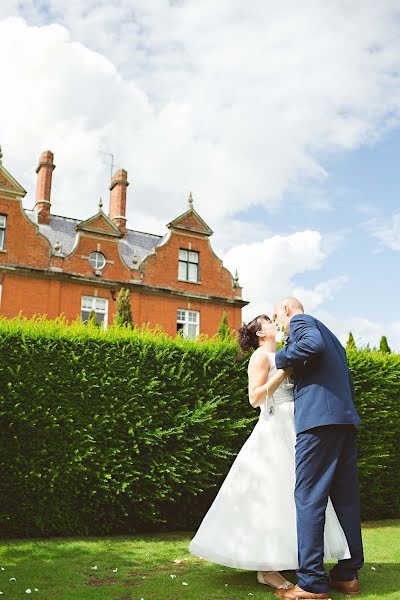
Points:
(100, 307)
(3, 227)
(187, 259)
(95, 256)
(190, 321)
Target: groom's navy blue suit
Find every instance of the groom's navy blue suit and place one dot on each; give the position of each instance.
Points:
(326, 448)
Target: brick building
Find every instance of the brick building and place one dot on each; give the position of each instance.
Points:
(56, 265)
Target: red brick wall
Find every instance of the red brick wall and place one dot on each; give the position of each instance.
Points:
(162, 310)
(53, 293)
(77, 262)
(32, 296)
(24, 244)
(162, 268)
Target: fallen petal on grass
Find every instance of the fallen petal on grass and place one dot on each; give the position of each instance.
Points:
(12, 579)
(114, 570)
(184, 583)
(94, 568)
(28, 591)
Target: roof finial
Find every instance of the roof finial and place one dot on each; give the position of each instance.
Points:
(190, 201)
(1, 156)
(101, 204)
(236, 280)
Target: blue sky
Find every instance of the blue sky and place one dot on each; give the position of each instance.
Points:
(362, 185)
(284, 122)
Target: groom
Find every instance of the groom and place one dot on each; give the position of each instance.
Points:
(326, 451)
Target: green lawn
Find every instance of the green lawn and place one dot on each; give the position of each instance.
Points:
(143, 567)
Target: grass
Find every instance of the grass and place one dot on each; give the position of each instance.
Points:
(62, 569)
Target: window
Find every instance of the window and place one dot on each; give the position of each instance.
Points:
(97, 260)
(100, 307)
(3, 223)
(188, 265)
(188, 323)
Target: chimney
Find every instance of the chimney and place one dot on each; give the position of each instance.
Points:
(119, 183)
(43, 187)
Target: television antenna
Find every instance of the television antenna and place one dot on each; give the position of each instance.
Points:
(111, 162)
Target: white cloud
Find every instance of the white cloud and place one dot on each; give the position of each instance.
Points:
(234, 102)
(267, 268)
(64, 97)
(387, 231)
(237, 102)
(364, 330)
(315, 297)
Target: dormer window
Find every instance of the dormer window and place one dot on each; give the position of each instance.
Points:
(3, 223)
(188, 265)
(97, 260)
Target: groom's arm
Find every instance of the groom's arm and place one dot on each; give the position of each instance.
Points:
(305, 342)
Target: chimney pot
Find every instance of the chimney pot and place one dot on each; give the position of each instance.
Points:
(44, 171)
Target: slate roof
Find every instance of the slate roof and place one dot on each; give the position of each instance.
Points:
(63, 230)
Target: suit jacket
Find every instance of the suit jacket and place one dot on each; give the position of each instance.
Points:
(323, 390)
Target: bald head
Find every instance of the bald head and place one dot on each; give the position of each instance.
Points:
(286, 309)
(293, 303)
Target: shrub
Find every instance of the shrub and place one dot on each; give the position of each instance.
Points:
(377, 390)
(128, 430)
(383, 345)
(224, 332)
(351, 343)
(123, 313)
(117, 430)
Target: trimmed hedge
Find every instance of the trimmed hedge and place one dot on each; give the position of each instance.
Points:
(377, 391)
(125, 431)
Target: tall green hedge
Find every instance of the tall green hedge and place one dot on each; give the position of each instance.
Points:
(124, 431)
(377, 390)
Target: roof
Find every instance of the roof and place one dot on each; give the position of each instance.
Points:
(62, 230)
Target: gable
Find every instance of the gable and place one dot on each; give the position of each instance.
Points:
(99, 223)
(9, 185)
(191, 221)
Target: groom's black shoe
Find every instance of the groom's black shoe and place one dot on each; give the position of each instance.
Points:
(352, 588)
(297, 593)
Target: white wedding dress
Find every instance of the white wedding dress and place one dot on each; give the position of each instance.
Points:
(252, 521)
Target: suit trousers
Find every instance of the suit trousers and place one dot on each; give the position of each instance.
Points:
(326, 465)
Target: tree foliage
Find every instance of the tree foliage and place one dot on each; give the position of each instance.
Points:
(92, 320)
(384, 346)
(123, 314)
(351, 343)
(224, 332)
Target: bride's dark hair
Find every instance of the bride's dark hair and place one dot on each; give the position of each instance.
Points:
(247, 334)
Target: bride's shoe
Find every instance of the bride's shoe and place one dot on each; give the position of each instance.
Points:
(275, 580)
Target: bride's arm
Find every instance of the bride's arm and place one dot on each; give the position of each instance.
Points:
(259, 388)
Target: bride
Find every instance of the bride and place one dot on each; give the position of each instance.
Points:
(252, 521)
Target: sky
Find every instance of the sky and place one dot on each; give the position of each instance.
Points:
(282, 118)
